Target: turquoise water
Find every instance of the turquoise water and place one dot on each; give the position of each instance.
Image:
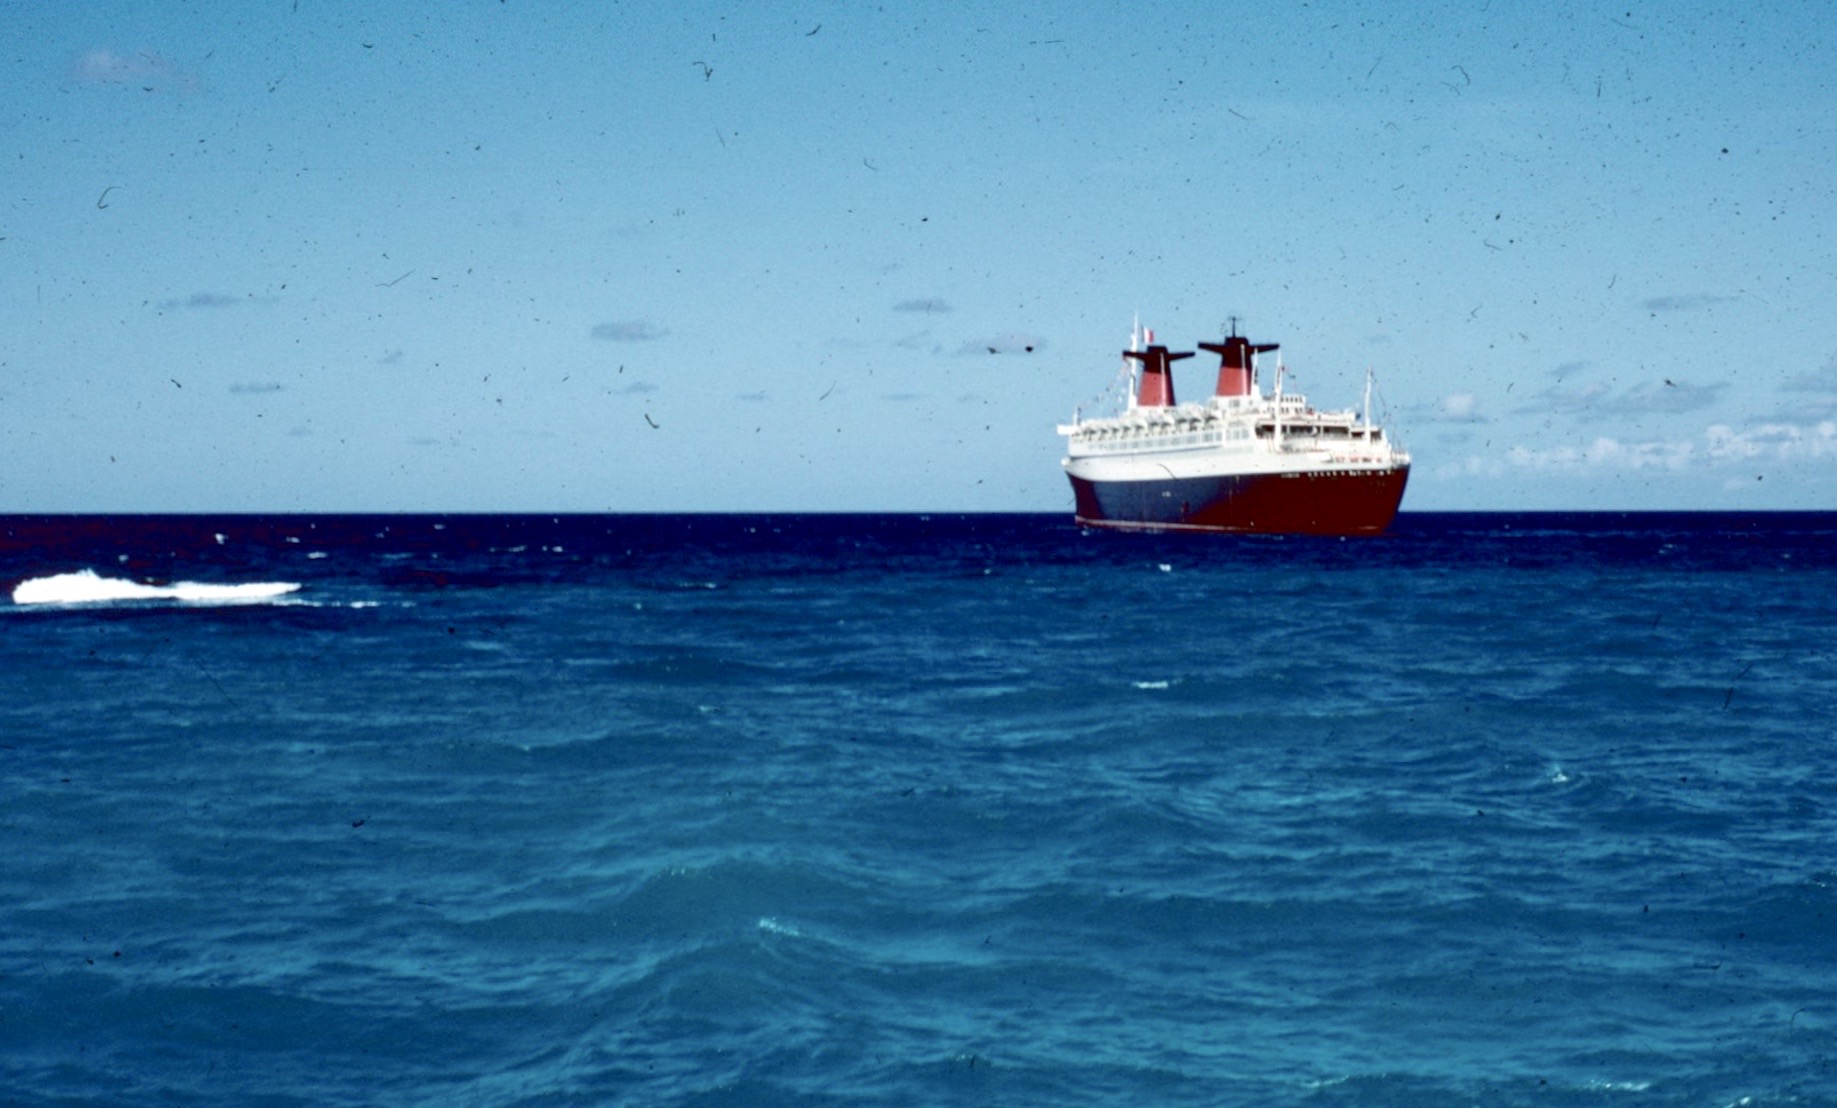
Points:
(907, 810)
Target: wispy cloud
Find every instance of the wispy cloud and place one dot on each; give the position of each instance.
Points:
(203, 300)
(1564, 401)
(922, 304)
(1822, 379)
(628, 330)
(104, 66)
(1009, 343)
(1598, 401)
(921, 341)
(1684, 303)
(1810, 396)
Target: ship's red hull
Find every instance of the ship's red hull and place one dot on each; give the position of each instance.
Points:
(1337, 502)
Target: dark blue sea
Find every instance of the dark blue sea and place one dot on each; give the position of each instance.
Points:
(917, 810)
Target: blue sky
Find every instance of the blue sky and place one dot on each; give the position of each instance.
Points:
(633, 257)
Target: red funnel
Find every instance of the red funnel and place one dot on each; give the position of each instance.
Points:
(1235, 363)
(1157, 389)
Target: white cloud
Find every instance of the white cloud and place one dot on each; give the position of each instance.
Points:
(1461, 407)
(1472, 466)
(1719, 447)
(103, 66)
(1605, 453)
(1773, 440)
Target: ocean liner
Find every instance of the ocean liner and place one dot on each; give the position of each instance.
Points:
(1242, 461)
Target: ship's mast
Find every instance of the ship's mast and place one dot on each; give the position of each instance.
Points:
(1367, 402)
(1135, 345)
(1278, 427)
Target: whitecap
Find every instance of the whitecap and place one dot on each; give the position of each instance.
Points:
(1150, 684)
(767, 923)
(86, 587)
(1620, 1086)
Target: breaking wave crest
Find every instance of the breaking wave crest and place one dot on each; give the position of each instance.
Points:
(86, 587)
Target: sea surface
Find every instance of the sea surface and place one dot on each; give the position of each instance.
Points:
(917, 810)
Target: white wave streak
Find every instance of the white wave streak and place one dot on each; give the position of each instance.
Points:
(87, 588)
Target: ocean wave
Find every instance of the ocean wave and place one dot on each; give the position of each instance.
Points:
(86, 587)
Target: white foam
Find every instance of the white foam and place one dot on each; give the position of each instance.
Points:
(1150, 684)
(87, 588)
